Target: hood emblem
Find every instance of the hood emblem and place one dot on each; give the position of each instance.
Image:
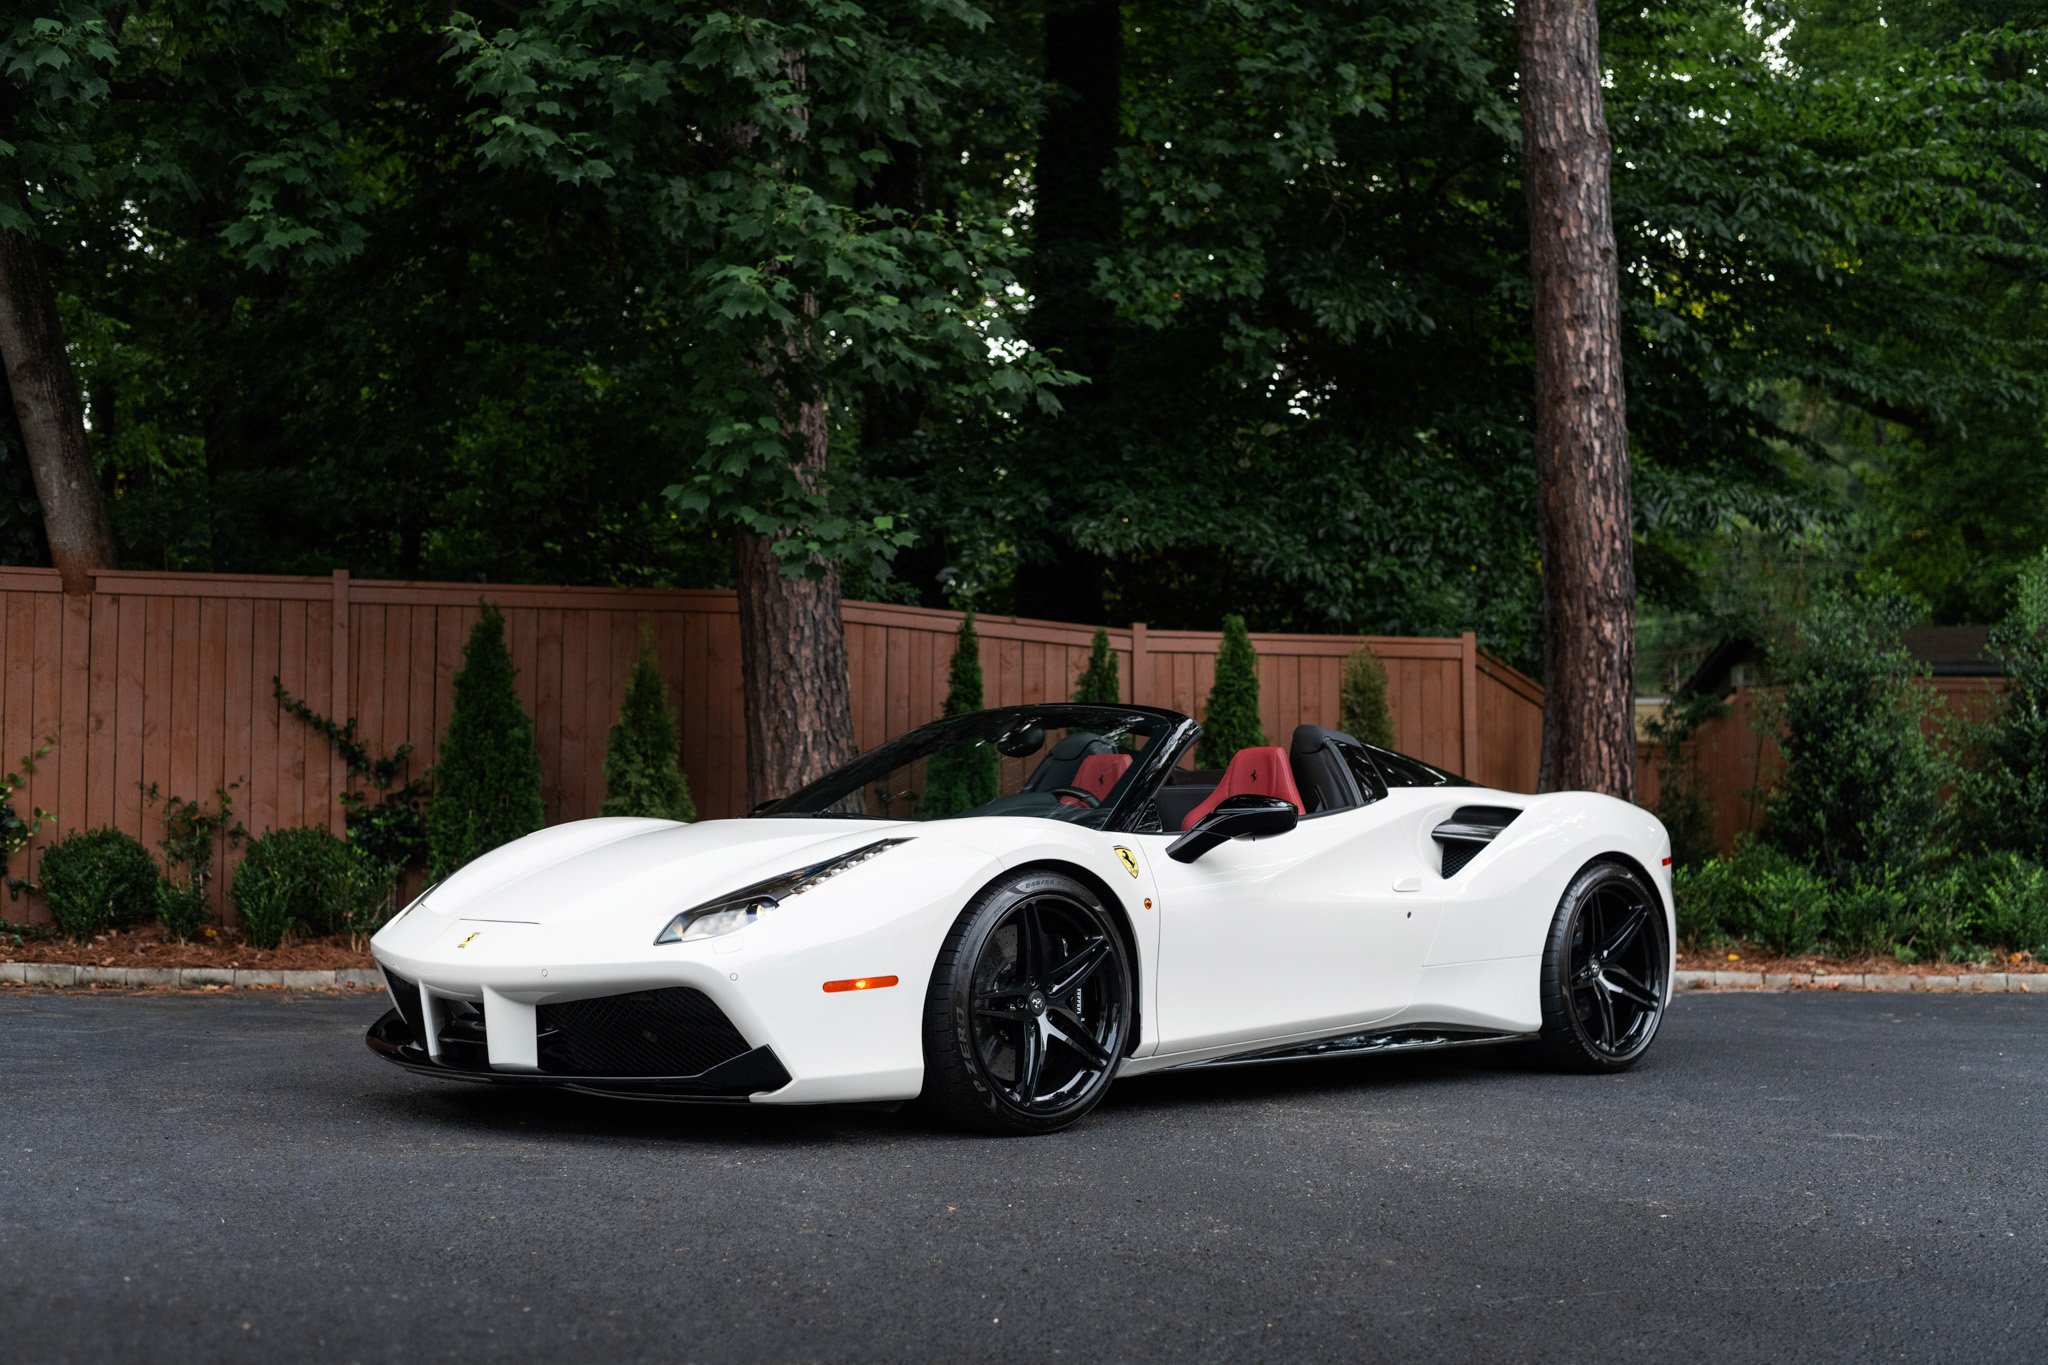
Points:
(471, 939)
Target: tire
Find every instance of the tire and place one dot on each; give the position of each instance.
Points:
(1005, 1051)
(1606, 971)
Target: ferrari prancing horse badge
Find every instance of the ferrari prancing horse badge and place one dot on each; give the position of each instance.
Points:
(1128, 859)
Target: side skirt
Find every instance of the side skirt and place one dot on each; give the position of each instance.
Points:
(1357, 1044)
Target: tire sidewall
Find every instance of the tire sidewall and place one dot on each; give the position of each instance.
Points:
(953, 1066)
(1563, 1033)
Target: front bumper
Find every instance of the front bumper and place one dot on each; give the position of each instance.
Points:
(459, 1051)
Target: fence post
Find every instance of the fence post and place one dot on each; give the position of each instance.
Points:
(1140, 665)
(339, 704)
(1468, 678)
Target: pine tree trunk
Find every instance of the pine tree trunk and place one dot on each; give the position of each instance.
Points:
(52, 421)
(793, 682)
(1586, 519)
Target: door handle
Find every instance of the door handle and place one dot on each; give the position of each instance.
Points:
(1408, 884)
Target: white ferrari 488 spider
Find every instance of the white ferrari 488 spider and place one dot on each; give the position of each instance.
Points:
(1004, 911)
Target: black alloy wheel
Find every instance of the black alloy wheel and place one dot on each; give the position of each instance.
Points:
(1606, 971)
(1029, 1009)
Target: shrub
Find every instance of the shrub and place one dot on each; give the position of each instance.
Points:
(1723, 900)
(1231, 720)
(1866, 917)
(1362, 709)
(308, 879)
(960, 778)
(1999, 900)
(2005, 804)
(96, 881)
(641, 772)
(180, 907)
(487, 784)
(1099, 682)
(1861, 789)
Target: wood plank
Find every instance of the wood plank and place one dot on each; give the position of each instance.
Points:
(262, 664)
(422, 676)
(575, 713)
(125, 812)
(450, 634)
(183, 775)
(40, 788)
(74, 736)
(547, 706)
(319, 802)
(292, 811)
(727, 790)
(239, 633)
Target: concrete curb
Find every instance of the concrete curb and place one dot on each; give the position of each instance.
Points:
(187, 978)
(2012, 983)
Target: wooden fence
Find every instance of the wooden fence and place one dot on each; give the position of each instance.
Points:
(166, 680)
(1735, 760)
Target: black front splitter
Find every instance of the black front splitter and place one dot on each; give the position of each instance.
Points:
(735, 1081)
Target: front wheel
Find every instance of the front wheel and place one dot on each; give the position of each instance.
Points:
(1606, 971)
(1027, 1015)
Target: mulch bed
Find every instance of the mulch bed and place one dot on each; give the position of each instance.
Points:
(1747, 961)
(149, 947)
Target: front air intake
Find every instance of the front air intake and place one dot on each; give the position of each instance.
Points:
(675, 1031)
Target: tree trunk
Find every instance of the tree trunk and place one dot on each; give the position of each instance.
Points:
(52, 421)
(793, 682)
(1587, 523)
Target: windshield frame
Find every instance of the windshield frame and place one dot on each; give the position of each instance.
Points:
(1153, 766)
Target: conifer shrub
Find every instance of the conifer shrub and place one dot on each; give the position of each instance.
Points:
(308, 880)
(1362, 710)
(1231, 720)
(960, 777)
(487, 784)
(1099, 682)
(1862, 780)
(642, 773)
(99, 880)
(2004, 802)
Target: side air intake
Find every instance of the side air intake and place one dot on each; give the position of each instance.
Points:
(1469, 830)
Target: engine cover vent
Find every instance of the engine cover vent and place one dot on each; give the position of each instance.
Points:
(1469, 830)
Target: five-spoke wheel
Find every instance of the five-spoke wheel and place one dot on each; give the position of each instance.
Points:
(1606, 970)
(1026, 1018)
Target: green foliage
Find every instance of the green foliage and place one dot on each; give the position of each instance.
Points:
(1862, 781)
(2005, 801)
(960, 778)
(308, 880)
(192, 835)
(1231, 719)
(393, 828)
(1362, 710)
(99, 880)
(642, 771)
(487, 784)
(1099, 682)
(15, 832)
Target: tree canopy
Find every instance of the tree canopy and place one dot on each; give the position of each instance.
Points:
(509, 296)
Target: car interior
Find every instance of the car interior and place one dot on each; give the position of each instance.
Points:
(1321, 771)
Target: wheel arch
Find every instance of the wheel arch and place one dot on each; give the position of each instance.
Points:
(1120, 915)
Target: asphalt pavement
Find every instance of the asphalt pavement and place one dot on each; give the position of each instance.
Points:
(1826, 1176)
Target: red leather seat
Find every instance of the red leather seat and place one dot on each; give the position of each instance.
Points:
(1252, 772)
(1098, 773)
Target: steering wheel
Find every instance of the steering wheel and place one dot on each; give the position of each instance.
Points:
(1086, 797)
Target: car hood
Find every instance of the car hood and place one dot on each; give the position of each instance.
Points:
(593, 868)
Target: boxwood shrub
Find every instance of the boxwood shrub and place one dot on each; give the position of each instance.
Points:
(308, 880)
(99, 880)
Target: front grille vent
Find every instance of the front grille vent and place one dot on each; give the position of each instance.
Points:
(675, 1031)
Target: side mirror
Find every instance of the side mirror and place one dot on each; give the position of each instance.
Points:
(1236, 817)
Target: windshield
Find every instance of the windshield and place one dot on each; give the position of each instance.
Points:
(1056, 762)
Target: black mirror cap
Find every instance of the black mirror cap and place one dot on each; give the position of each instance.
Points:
(1235, 817)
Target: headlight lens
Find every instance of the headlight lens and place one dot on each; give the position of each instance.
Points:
(730, 913)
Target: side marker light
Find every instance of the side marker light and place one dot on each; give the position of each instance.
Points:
(860, 983)
(1667, 862)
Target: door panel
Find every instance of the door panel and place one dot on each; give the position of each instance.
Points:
(1296, 933)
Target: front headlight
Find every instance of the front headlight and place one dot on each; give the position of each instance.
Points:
(743, 907)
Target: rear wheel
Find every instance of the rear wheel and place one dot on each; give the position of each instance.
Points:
(1606, 971)
(1026, 1017)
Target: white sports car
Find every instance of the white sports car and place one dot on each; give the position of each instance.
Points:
(1004, 911)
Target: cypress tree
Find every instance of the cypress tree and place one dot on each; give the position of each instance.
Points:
(961, 777)
(1231, 720)
(641, 773)
(487, 784)
(1099, 682)
(1362, 700)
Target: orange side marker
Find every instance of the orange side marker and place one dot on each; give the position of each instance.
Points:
(861, 983)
